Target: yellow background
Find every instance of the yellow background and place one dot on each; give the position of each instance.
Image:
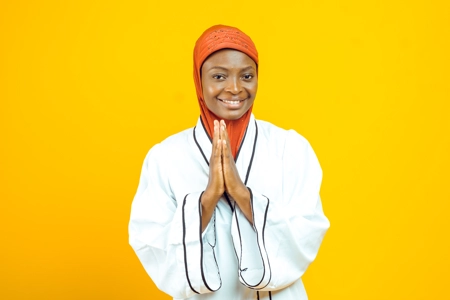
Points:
(87, 87)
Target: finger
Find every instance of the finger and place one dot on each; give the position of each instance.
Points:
(228, 165)
(225, 152)
(219, 147)
(216, 145)
(221, 127)
(225, 133)
(223, 145)
(216, 135)
(226, 149)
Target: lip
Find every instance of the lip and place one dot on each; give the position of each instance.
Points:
(232, 105)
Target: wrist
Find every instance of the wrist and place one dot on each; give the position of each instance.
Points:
(241, 195)
(209, 200)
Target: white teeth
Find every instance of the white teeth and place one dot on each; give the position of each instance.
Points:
(231, 102)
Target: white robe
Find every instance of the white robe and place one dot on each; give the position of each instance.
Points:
(231, 259)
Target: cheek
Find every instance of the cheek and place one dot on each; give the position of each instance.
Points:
(253, 88)
(209, 96)
(209, 90)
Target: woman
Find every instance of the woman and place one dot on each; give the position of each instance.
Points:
(229, 209)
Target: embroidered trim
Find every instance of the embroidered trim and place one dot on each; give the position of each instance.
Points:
(199, 148)
(229, 202)
(253, 154)
(201, 246)
(184, 246)
(258, 242)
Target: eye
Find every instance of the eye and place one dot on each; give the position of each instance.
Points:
(219, 76)
(247, 76)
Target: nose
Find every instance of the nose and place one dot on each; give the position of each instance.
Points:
(234, 86)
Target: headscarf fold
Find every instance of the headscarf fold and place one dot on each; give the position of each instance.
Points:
(214, 39)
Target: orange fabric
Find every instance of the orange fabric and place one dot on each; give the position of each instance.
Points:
(213, 39)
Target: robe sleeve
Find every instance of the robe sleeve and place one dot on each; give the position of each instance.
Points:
(287, 230)
(166, 234)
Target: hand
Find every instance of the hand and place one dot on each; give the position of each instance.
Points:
(216, 185)
(233, 183)
(223, 177)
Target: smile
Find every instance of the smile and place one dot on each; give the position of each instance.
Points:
(231, 102)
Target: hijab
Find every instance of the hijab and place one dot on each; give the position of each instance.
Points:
(214, 39)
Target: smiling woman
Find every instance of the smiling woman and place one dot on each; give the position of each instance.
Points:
(229, 82)
(229, 209)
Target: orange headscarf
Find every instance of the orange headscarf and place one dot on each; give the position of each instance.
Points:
(213, 39)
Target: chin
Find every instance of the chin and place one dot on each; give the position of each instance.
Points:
(232, 116)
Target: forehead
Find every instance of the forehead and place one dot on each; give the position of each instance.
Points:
(229, 59)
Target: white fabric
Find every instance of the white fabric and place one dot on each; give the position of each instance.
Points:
(231, 259)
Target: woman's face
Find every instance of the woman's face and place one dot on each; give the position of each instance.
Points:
(229, 83)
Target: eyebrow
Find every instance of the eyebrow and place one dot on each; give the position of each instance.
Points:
(225, 69)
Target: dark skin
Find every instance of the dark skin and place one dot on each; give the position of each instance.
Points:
(229, 83)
